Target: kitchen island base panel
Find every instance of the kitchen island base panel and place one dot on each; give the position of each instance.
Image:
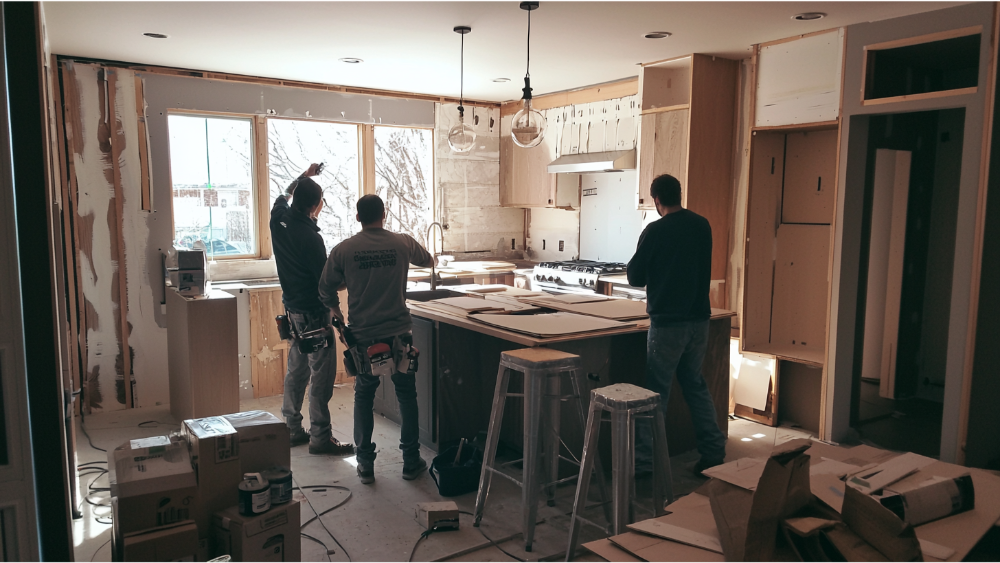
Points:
(464, 376)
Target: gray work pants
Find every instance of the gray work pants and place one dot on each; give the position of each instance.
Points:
(319, 368)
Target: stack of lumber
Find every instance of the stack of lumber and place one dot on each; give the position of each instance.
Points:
(780, 508)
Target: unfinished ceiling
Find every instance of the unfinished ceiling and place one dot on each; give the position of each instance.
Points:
(410, 46)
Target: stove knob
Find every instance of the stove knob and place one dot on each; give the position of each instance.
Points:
(551, 279)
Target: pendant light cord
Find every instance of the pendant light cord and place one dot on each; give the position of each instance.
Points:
(527, 70)
(461, 85)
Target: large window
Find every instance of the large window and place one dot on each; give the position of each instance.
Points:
(211, 169)
(404, 178)
(219, 194)
(293, 145)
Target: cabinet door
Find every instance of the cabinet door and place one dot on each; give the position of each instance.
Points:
(524, 177)
(663, 150)
(423, 339)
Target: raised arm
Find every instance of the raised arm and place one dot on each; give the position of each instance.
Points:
(418, 254)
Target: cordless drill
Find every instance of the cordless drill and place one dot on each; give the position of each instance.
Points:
(351, 342)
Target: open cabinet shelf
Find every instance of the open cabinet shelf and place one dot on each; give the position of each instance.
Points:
(787, 253)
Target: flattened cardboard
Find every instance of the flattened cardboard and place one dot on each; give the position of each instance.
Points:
(610, 552)
(832, 467)
(658, 528)
(888, 472)
(550, 324)
(829, 489)
(649, 548)
(690, 521)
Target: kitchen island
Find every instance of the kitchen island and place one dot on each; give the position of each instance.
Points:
(458, 372)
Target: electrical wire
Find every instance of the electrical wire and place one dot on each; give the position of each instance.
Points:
(317, 515)
(89, 441)
(98, 550)
(325, 548)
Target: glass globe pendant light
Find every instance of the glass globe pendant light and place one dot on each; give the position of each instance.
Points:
(528, 125)
(461, 138)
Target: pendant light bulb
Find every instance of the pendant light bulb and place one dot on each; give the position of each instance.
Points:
(461, 138)
(527, 127)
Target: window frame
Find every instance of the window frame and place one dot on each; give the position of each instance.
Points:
(260, 170)
(254, 178)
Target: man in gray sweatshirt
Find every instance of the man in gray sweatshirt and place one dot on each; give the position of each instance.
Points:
(372, 265)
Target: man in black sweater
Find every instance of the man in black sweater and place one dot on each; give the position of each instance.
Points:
(674, 261)
(300, 256)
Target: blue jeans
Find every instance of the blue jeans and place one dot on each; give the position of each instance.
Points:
(320, 368)
(678, 349)
(364, 419)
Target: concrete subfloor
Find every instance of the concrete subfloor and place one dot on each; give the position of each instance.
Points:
(377, 523)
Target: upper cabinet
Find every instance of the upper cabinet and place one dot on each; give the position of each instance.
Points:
(687, 130)
(589, 127)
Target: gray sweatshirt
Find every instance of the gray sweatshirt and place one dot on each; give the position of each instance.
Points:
(373, 265)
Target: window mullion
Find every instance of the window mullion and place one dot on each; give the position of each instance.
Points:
(261, 185)
(367, 159)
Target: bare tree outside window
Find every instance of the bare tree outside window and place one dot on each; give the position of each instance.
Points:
(211, 163)
(404, 178)
(293, 145)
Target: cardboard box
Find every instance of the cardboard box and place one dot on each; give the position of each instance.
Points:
(271, 536)
(264, 441)
(152, 484)
(176, 542)
(440, 515)
(214, 448)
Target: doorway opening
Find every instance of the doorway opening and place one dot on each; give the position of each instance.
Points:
(910, 209)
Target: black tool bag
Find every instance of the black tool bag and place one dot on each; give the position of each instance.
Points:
(454, 479)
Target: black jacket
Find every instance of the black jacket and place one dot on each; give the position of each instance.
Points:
(300, 255)
(674, 262)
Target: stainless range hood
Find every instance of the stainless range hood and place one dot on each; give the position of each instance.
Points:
(589, 163)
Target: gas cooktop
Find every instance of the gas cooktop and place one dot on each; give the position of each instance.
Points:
(585, 266)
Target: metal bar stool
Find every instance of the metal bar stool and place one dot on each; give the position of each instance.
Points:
(622, 402)
(542, 368)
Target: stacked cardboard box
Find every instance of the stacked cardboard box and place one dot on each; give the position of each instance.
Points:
(172, 498)
(811, 501)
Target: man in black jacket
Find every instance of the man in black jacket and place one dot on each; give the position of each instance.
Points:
(674, 262)
(301, 255)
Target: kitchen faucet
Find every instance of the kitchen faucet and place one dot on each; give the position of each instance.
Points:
(430, 244)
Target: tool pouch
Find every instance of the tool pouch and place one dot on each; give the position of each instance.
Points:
(284, 327)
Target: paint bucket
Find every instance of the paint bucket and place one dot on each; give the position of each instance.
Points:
(255, 494)
(281, 484)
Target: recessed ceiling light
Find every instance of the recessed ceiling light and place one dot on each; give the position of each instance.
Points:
(809, 16)
(155, 35)
(501, 80)
(657, 34)
(351, 60)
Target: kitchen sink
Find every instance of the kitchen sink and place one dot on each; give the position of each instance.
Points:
(430, 295)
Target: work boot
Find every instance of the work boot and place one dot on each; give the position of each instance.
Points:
(298, 437)
(333, 447)
(414, 470)
(367, 473)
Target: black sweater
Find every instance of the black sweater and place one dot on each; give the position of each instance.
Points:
(674, 262)
(300, 255)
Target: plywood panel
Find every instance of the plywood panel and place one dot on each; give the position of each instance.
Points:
(268, 361)
(810, 172)
(799, 81)
(664, 150)
(708, 190)
(767, 153)
(665, 87)
(798, 312)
